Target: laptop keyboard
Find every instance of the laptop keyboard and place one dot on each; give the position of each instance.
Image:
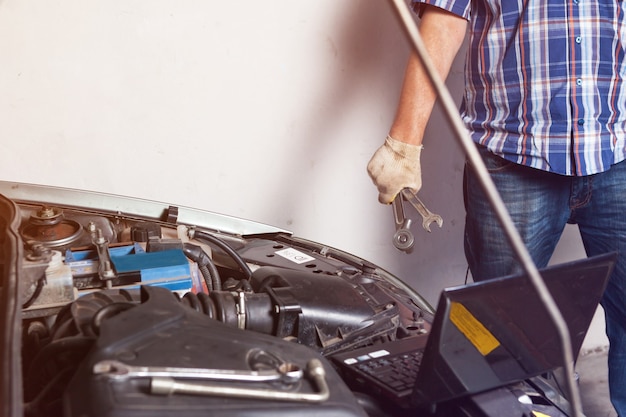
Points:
(399, 372)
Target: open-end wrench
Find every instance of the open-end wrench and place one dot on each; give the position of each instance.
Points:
(427, 216)
(119, 370)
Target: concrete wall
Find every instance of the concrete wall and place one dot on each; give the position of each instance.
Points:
(263, 110)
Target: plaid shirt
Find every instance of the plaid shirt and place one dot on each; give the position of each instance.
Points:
(545, 81)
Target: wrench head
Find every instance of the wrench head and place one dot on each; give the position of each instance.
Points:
(403, 240)
(111, 368)
(432, 219)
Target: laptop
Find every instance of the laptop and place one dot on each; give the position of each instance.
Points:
(484, 335)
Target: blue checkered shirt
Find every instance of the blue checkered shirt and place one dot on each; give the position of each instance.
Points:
(545, 81)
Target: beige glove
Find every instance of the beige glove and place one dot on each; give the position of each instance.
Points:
(394, 166)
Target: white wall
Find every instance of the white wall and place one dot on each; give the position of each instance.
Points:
(263, 110)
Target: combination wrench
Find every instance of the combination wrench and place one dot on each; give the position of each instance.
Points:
(172, 380)
(315, 373)
(403, 238)
(118, 370)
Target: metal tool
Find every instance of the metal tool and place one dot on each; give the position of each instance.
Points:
(403, 237)
(118, 370)
(428, 217)
(314, 371)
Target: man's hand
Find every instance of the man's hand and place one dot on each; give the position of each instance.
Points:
(394, 166)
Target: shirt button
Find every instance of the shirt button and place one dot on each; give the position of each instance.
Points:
(579, 82)
(581, 122)
(578, 39)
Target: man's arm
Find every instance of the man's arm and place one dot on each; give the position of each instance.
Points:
(442, 34)
(396, 164)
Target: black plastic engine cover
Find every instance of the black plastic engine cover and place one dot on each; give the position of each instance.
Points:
(162, 332)
(316, 308)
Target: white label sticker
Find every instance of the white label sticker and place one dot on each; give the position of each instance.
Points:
(379, 353)
(295, 256)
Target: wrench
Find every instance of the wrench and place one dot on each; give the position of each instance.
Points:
(119, 370)
(427, 216)
(403, 238)
(314, 372)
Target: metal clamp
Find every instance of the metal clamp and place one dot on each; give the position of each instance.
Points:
(241, 308)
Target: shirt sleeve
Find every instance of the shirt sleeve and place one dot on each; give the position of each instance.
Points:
(458, 7)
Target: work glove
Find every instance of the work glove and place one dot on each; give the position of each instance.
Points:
(394, 166)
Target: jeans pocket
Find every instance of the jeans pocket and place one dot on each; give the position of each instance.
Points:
(494, 163)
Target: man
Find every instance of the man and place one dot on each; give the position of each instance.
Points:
(545, 102)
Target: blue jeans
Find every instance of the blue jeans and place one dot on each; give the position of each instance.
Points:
(540, 205)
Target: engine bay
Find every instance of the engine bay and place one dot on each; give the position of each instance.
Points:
(98, 289)
(135, 315)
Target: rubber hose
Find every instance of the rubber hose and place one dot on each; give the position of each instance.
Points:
(226, 248)
(205, 264)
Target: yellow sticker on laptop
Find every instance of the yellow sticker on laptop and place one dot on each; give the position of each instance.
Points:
(473, 329)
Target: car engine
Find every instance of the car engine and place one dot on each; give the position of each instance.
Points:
(107, 312)
(113, 306)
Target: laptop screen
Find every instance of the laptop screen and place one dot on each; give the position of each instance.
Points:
(495, 332)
